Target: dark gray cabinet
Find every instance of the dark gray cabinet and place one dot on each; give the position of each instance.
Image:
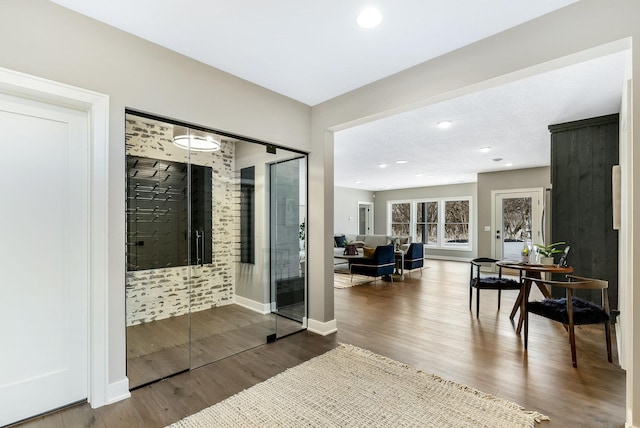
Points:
(582, 155)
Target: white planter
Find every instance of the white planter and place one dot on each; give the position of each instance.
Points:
(547, 261)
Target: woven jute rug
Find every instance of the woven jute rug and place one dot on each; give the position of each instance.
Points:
(344, 280)
(353, 387)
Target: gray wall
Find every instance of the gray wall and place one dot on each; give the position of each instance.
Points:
(462, 190)
(503, 180)
(43, 39)
(345, 213)
(40, 38)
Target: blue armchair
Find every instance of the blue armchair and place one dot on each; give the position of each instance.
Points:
(381, 263)
(414, 258)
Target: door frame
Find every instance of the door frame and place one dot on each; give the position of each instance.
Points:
(495, 193)
(96, 106)
(369, 220)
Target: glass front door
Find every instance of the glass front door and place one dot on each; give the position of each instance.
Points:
(518, 220)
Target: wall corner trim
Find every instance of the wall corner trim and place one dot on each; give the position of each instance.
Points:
(118, 391)
(322, 328)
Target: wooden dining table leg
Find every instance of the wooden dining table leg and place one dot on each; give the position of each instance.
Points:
(523, 296)
(516, 305)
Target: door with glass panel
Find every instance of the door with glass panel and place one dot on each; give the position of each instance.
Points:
(518, 219)
(215, 246)
(287, 223)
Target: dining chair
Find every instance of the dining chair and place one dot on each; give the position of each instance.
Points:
(483, 282)
(571, 310)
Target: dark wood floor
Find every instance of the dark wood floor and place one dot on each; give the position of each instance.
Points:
(421, 321)
(158, 349)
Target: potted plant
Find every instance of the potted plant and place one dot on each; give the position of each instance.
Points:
(546, 252)
(350, 248)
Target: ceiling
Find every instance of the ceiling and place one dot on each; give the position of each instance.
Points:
(314, 51)
(511, 119)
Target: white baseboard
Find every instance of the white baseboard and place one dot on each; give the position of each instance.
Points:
(453, 259)
(322, 328)
(262, 308)
(118, 391)
(619, 345)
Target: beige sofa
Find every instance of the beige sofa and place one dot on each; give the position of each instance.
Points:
(370, 241)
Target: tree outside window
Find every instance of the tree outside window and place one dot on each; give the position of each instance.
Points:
(400, 218)
(516, 218)
(427, 222)
(456, 225)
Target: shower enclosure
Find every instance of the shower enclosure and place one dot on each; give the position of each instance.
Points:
(215, 250)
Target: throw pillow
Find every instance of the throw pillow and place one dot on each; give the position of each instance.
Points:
(368, 252)
(339, 240)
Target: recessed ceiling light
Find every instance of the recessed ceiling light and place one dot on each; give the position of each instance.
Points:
(444, 124)
(358, 182)
(508, 164)
(382, 165)
(485, 149)
(370, 17)
(418, 175)
(401, 161)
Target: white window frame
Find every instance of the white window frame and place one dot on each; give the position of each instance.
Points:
(440, 245)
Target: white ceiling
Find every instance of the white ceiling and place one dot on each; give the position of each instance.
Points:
(512, 119)
(313, 51)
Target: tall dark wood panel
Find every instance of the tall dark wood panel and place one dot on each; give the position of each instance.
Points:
(582, 155)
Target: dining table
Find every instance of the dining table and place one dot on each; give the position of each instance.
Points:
(531, 272)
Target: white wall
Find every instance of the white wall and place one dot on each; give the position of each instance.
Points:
(345, 218)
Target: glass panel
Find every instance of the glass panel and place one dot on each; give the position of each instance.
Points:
(456, 226)
(288, 238)
(157, 282)
(427, 222)
(199, 253)
(516, 225)
(401, 219)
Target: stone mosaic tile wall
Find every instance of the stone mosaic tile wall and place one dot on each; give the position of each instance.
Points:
(161, 293)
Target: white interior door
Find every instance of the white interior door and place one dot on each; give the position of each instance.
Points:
(44, 257)
(517, 216)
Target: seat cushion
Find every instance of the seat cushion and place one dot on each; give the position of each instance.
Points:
(556, 309)
(495, 283)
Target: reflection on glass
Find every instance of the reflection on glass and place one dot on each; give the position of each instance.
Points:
(287, 220)
(198, 248)
(516, 225)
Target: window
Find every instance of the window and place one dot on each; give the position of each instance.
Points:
(401, 218)
(456, 223)
(439, 223)
(427, 223)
